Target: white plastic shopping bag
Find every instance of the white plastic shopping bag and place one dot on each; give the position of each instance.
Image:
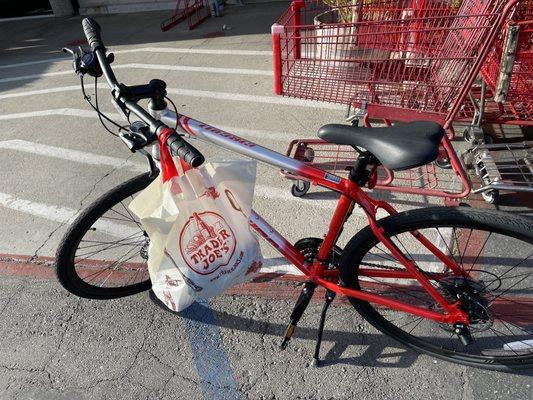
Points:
(200, 240)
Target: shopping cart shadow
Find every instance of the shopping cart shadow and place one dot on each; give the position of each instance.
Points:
(516, 202)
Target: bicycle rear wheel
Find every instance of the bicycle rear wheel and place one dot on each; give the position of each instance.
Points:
(494, 248)
(104, 254)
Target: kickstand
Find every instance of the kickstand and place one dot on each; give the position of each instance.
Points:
(298, 310)
(330, 295)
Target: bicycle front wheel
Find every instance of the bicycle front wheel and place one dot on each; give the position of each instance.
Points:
(104, 254)
(494, 249)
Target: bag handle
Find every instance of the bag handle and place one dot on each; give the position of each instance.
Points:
(168, 168)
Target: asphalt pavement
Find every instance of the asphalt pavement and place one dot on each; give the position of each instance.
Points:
(56, 159)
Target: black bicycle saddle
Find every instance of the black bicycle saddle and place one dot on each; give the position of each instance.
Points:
(397, 147)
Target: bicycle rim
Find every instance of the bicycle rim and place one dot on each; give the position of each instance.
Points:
(105, 252)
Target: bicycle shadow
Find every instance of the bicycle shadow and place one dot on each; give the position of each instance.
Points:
(377, 353)
(381, 350)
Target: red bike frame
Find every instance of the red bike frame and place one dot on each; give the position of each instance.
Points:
(350, 195)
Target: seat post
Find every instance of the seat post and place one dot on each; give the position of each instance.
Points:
(359, 174)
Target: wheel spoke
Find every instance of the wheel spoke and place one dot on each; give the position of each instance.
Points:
(464, 252)
(510, 269)
(507, 290)
(117, 243)
(450, 252)
(115, 264)
(108, 247)
(479, 252)
(131, 216)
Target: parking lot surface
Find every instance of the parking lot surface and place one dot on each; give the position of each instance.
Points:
(57, 159)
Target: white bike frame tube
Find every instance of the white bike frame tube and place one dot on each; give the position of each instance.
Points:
(229, 141)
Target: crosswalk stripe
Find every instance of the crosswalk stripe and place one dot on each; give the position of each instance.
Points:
(200, 94)
(263, 191)
(183, 68)
(151, 50)
(76, 112)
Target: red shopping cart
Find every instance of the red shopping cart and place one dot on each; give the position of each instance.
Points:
(508, 70)
(396, 60)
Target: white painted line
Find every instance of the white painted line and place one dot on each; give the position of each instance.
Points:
(52, 213)
(185, 68)
(76, 112)
(24, 47)
(284, 195)
(35, 76)
(23, 64)
(227, 52)
(66, 215)
(273, 265)
(26, 17)
(61, 214)
(214, 70)
(255, 99)
(200, 94)
(40, 91)
(70, 112)
(81, 157)
(70, 155)
(153, 50)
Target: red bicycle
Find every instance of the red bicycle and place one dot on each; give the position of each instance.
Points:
(454, 283)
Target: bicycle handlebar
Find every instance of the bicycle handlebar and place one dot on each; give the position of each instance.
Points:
(185, 151)
(92, 33)
(177, 144)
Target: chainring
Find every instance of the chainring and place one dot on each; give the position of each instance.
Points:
(308, 247)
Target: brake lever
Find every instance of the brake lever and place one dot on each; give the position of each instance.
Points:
(137, 136)
(67, 50)
(75, 59)
(85, 62)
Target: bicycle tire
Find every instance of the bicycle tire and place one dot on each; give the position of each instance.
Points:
(499, 223)
(66, 270)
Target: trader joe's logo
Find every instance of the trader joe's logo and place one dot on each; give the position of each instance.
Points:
(206, 242)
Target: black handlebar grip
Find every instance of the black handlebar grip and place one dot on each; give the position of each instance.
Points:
(92, 33)
(188, 153)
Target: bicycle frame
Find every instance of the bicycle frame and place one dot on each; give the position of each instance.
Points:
(350, 194)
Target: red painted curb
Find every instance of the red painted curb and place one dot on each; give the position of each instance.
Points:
(268, 286)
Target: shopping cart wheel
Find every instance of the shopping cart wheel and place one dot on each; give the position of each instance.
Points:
(491, 196)
(443, 163)
(300, 188)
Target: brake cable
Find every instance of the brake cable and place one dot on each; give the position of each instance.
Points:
(95, 107)
(175, 111)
